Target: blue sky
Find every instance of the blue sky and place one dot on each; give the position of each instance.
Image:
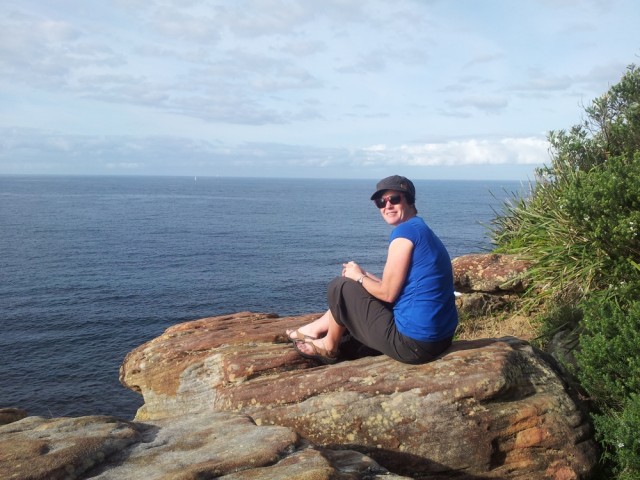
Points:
(442, 89)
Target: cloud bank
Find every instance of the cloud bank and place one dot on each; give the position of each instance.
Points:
(27, 151)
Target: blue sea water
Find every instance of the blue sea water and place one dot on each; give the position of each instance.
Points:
(92, 267)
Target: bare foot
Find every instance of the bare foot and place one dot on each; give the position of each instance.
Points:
(299, 335)
(315, 349)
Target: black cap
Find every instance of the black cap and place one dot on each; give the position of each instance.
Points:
(397, 183)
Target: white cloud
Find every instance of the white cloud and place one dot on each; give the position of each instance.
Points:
(515, 151)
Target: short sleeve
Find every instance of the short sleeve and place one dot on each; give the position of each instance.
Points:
(405, 230)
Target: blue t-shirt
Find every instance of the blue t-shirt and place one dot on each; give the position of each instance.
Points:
(425, 309)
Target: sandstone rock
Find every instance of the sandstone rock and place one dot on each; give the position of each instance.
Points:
(492, 408)
(60, 448)
(200, 446)
(205, 354)
(489, 273)
(9, 415)
(476, 304)
(205, 445)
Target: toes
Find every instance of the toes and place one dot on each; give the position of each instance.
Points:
(307, 347)
(303, 347)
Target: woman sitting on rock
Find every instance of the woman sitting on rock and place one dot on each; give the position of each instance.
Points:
(409, 314)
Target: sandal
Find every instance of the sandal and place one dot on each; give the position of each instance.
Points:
(300, 337)
(319, 354)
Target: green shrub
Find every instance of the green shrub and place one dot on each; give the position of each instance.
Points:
(609, 370)
(580, 229)
(604, 203)
(609, 354)
(618, 434)
(540, 230)
(580, 224)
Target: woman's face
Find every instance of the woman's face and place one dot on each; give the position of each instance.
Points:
(395, 214)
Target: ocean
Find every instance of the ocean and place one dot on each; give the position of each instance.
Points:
(92, 267)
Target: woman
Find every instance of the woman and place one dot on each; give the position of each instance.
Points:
(409, 314)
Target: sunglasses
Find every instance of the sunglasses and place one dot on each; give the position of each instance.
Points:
(392, 199)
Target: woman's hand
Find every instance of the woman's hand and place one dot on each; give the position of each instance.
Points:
(352, 270)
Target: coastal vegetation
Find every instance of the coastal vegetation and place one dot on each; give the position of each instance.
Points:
(580, 228)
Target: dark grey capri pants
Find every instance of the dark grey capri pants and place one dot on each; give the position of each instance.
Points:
(371, 322)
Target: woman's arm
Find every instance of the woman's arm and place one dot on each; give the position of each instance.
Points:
(394, 275)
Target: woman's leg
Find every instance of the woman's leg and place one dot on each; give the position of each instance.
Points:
(316, 329)
(371, 321)
(368, 320)
(327, 326)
